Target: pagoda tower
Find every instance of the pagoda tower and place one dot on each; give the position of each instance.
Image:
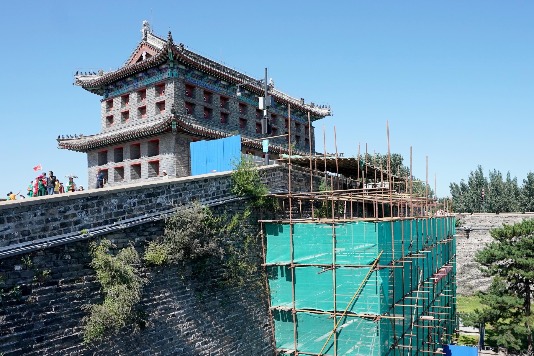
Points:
(165, 97)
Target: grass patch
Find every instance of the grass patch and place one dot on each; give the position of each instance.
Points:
(468, 304)
(468, 340)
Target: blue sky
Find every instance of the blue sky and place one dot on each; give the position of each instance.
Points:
(454, 79)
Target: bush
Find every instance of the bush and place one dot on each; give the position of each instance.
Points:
(121, 285)
(190, 234)
(246, 182)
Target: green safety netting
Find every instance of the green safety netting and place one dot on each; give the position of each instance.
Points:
(416, 306)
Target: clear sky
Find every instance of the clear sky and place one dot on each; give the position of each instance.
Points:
(454, 79)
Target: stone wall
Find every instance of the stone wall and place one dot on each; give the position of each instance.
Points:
(468, 276)
(74, 215)
(46, 278)
(183, 313)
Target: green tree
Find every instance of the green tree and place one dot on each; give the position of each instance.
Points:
(192, 233)
(493, 194)
(510, 260)
(478, 186)
(458, 193)
(502, 311)
(495, 197)
(527, 193)
(512, 194)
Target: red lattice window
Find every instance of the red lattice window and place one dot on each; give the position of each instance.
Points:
(125, 100)
(153, 148)
(125, 115)
(135, 151)
(135, 171)
(189, 90)
(190, 108)
(224, 102)
(142, 112)
(160, 107)
(141, 96)
(207, 97)
(160, 90)
(109, 120)
(118, 174)
(208, 113)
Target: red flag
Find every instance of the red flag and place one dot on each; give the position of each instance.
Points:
(38, 167)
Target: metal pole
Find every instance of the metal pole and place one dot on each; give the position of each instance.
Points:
(265, 124)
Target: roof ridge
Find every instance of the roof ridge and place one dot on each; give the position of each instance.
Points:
(162, 46)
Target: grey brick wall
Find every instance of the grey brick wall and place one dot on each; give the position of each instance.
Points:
(43, 291)
(25, 221)
(184, 313)
(468, 275)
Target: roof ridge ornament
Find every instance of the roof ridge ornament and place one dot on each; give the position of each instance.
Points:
(170, 45)
(145, 30)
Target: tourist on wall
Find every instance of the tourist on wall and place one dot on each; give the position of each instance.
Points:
(100, 179)
(41, 185)
(61, 188)
(50, 183)
(56, 187)
(71, 187)
(30, 189)
(12, 196)
(35, 187)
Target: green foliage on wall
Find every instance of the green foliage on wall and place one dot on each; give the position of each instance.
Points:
(246, 182)
(192, 233)
(156, 254)
(195, 234)
(241, 266)
(225, 244)
(121, 285)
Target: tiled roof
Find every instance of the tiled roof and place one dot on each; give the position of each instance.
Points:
(87, 143)
(96, 83)
(153, 128)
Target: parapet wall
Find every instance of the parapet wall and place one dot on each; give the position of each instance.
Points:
(46, 221)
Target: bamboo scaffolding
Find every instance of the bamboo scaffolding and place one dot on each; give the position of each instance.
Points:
(364, 281)
(389, 200)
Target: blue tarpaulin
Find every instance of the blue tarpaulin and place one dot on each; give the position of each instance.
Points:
(216, 155)
(455, 350)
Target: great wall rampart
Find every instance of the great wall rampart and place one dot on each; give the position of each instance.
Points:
(47, 279)
(41, 312)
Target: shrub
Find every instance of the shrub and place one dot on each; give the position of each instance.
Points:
(121, 285)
